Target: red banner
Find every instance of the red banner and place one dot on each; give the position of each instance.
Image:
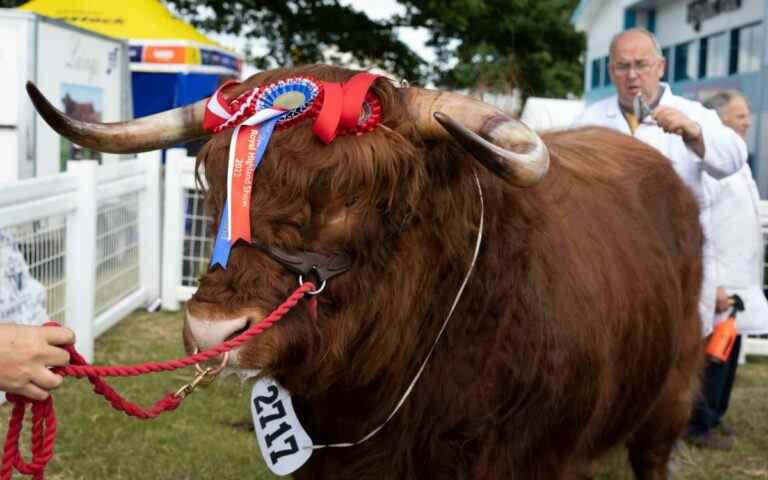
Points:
(245, 141)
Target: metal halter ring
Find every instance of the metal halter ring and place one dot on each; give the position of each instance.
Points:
(313, 292)
(212, 371)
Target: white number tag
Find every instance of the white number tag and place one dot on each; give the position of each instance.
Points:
(282, 439)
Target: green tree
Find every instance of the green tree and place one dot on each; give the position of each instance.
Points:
(494, 45)
(306, 31)
(498, 44)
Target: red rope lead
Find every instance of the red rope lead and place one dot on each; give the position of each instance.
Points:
(44, 419)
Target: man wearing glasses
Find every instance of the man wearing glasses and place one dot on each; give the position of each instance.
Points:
(691, 136)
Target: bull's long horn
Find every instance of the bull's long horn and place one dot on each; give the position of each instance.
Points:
(152, 132)
(504, 145)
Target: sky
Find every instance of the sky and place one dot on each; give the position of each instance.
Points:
(375, 9)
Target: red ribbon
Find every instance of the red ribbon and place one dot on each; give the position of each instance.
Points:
(342, 105)
(246, 142)
(328, 119)
(354, 96)
(219, 109)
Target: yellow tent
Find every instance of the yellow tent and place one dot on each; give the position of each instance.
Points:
(159, 41)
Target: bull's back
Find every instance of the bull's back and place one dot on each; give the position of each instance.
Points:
(623, 238)
(619, 175)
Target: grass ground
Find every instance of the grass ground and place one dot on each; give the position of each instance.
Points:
(210, 437)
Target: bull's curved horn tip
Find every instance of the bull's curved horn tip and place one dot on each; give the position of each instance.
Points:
(34, 93)
(43, 106)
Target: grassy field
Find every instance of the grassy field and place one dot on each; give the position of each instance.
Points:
(210, 435)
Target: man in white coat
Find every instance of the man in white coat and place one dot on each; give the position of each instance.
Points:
(738, 246)
(737, 235)
(691, 136)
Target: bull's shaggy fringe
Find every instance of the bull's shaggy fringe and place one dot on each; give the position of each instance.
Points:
(578, 328)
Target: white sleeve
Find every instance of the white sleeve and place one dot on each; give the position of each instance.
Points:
(725, 152)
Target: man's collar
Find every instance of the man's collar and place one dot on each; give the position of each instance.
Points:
(665, 94)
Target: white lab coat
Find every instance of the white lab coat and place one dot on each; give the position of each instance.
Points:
(725, 154)
(737, 239)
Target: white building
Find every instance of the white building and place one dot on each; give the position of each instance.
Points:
(710, 45)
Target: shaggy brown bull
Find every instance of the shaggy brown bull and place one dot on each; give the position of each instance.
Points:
(578, 329)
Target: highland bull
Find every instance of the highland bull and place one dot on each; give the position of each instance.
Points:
(578, 327)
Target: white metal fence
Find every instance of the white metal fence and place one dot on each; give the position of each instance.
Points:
(91, 237)
(187, 242)
(42, 246)
(117, 249)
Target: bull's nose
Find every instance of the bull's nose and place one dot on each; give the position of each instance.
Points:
(209, 333)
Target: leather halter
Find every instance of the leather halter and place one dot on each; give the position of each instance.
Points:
(305, 263)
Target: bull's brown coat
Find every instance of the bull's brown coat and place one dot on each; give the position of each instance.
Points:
(578, 329)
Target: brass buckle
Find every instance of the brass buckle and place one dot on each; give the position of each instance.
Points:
(204, 377)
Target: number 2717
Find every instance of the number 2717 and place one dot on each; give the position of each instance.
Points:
(260, 402)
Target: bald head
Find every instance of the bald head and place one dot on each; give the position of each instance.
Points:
(636, 35)
(636, 65)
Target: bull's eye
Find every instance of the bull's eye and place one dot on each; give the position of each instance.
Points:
(351, 201)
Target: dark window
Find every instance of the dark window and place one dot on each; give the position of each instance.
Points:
(630, 18)
(595, 81)
(733, 54)
(652, 20)
(606, 75)
(686, 62)
(703, 44)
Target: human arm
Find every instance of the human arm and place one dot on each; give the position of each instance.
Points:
(721, 151)
(672, 120)
(26, 352)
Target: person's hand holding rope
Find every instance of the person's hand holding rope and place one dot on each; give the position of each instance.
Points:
(26, 353)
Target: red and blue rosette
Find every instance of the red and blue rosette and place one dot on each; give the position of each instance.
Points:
(254, 116)
(298, 96)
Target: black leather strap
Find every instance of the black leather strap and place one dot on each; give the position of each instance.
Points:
(305, 263)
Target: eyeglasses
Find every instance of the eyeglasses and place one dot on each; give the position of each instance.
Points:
(641, 67)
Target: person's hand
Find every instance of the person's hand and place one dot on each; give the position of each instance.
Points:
(722, 301)
(25, 355)
(674, 121)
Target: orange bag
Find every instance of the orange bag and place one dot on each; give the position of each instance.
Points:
(721, 342)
